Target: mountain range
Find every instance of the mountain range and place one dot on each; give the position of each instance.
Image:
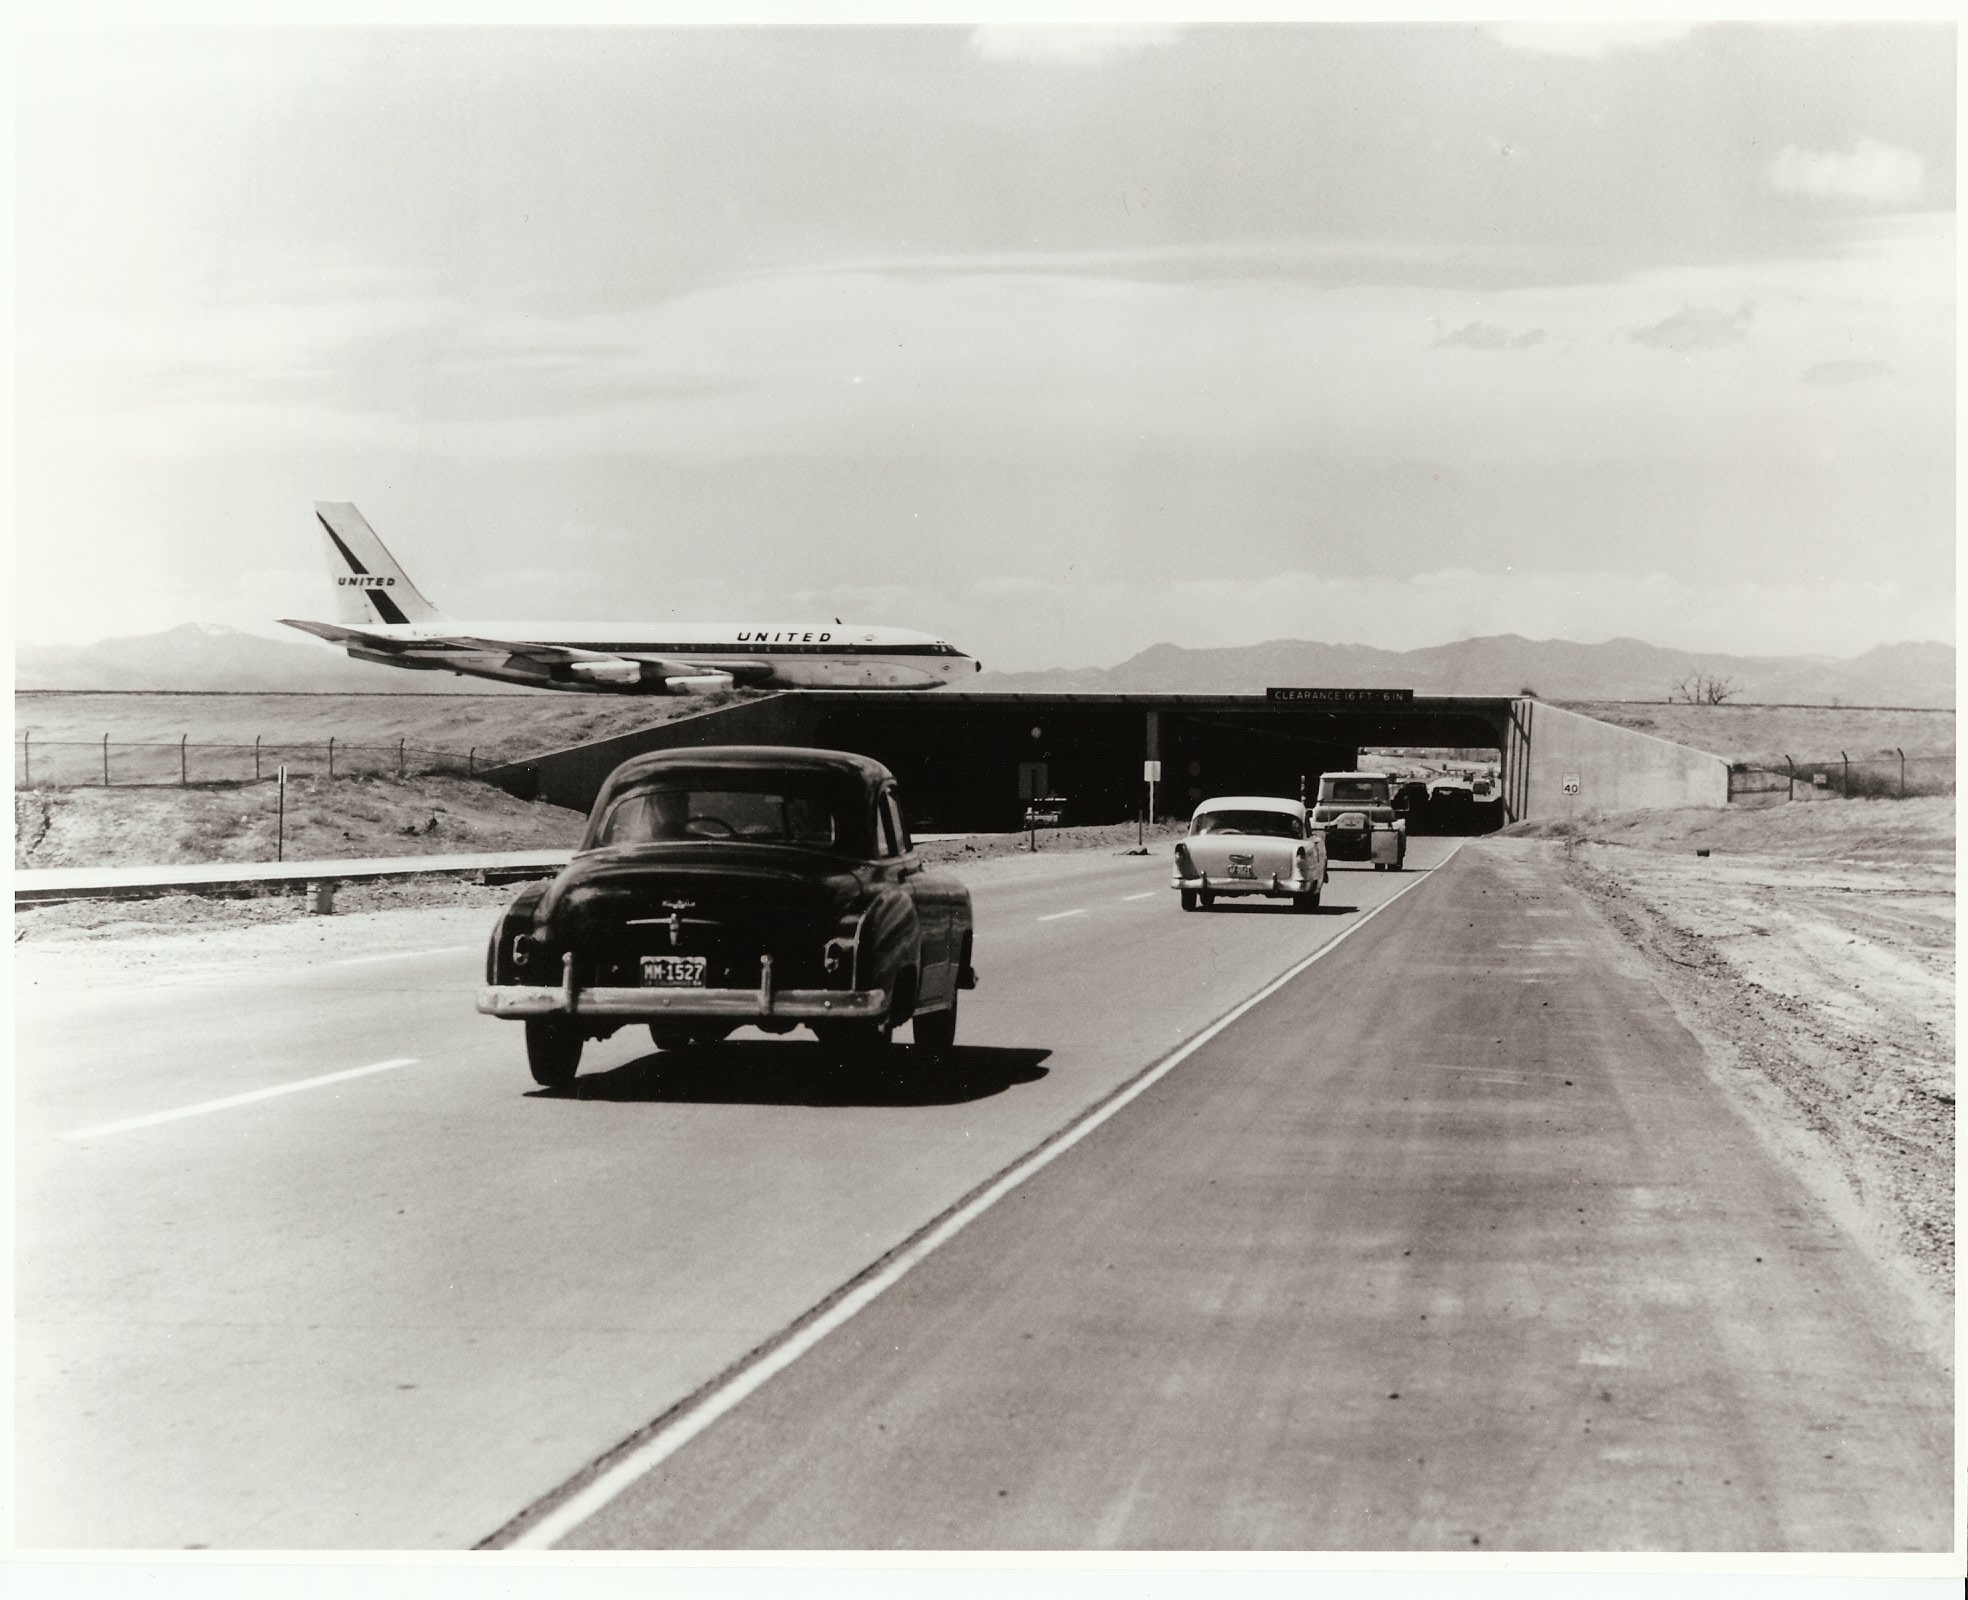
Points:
(206, 656)
(1915, 674)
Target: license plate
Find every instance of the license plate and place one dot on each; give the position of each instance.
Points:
(1239, 870)
(673, 972)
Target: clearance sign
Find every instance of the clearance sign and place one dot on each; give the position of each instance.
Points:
(1341, 696)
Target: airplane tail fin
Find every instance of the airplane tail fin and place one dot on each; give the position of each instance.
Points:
(369, 586)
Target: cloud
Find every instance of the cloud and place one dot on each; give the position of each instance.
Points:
(1487, 336)
(1872, 173)
(1844, 372)
(1696, 328)
(1586, 40)
(1066, 46)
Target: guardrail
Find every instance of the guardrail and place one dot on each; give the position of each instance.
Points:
(48, 885)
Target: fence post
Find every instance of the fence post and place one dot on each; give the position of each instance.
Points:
(399, 759)
(1902, 755)
(184, 768)
(1791, 767)
(471, 762)
(105, 761)
(331, 755)
(256, 758)
(1845, 776)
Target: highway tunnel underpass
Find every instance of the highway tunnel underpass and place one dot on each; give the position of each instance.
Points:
(970, 762)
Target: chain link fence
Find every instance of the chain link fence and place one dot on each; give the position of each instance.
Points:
(1889, 776)
(107, 762)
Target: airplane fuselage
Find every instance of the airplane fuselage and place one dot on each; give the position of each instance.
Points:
(807, 656)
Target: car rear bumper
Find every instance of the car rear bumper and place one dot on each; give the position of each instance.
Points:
(1271, 884)
(765, 1003)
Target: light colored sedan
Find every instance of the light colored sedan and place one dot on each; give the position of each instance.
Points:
(1250, 845)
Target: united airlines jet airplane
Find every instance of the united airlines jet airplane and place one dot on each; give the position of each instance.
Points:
(385, 619)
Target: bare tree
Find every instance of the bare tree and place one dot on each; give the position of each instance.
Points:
(1704, 689)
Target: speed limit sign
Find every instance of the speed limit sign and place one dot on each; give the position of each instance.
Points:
(1571, 783)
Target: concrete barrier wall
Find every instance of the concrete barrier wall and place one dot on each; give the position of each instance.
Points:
(1617, 769)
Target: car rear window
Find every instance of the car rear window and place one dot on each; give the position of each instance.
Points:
(1266, 824)
(814, 810)
(1358, 789)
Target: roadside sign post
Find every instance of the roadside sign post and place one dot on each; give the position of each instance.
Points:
(1151, 772)
(280, 817)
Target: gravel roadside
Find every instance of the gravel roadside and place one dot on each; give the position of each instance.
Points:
(1811, 949)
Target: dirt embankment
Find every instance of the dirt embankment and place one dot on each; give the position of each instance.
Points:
(324, 820)
(1765, 733)
(1812, 948)
(499, 727)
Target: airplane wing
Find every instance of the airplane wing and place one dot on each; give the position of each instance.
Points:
(597, 665)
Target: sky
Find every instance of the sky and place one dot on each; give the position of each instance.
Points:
(1057, 343)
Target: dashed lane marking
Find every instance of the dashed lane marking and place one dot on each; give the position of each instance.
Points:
(552, 1519)
(1148, 896)
(231, 1100)
(1079, 912)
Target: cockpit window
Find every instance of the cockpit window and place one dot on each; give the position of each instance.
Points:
(1264, 824)
(813, 810)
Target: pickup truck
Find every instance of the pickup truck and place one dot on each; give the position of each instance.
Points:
(1356, 810)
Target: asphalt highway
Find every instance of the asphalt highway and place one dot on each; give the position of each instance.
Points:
(1447, 1240)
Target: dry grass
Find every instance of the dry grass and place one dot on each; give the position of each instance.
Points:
(1760, 733)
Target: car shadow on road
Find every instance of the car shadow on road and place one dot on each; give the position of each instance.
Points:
(1253, 908)
(774, 1072)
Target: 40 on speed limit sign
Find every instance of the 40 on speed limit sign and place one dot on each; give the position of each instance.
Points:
(1571, 783)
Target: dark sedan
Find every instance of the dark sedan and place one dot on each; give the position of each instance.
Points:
(735, 886)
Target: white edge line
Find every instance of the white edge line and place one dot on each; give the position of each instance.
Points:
(1055, 916)
(741, 1385)
(403, 955)
(204, 1106)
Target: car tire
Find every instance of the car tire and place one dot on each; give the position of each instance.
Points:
(936, 1032)
(1306, 902)
(553, 1051)
(1205, 899)
(1188, 899)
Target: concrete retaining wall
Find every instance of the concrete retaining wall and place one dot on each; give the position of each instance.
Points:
(1617, 768)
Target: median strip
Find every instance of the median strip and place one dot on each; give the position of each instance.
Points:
(231, 1100)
